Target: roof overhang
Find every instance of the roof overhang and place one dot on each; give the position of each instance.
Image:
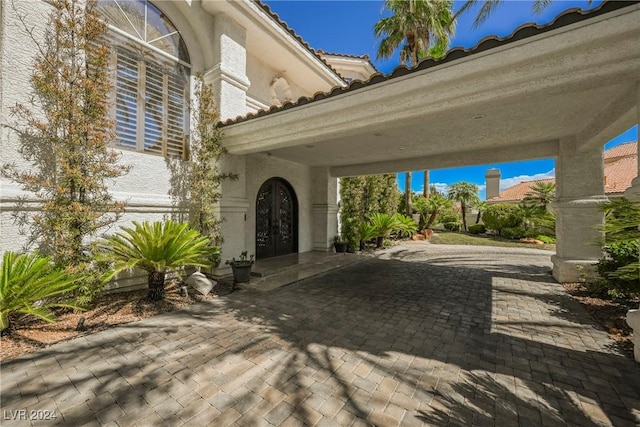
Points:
(273, 44)
(511, 102)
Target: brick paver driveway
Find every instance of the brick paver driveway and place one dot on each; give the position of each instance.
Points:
(435, 335)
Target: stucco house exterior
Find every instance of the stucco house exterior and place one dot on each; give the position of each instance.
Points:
(620, 168)
(295, 119)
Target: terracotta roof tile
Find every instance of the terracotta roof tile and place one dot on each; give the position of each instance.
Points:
(618, 174)
(295, 35)
(518, 191)
(622, 150)
(565, 18)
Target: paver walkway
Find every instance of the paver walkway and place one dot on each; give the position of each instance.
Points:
(423, 335)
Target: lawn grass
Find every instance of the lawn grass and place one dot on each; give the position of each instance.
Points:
(455, 238)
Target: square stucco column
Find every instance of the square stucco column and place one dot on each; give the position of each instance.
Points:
(229, 74)
(633, 193)
(324, 188)
(579, 193)
(232, 209)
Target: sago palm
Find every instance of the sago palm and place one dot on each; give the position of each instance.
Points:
(156, 248)
(383, 224)
(30, 284)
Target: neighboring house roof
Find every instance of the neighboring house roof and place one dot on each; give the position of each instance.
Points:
(621, 167)
(518, 191)
(565, 18)
(622, 150)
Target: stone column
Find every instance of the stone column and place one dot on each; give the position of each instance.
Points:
(324, 188)
(228, 76)
(579, 193)
(633, 193)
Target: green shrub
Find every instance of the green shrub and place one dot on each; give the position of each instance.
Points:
(452, 226)
(502, 215)
(545, 239)
(477, 229)
(404, 226)
(30, 284)
(447, 215)
(617, 255)
(513, 232)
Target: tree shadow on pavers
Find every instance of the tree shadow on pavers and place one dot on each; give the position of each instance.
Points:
(143, 372)
(405, 321)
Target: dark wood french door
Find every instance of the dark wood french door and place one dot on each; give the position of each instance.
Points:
(276, 219)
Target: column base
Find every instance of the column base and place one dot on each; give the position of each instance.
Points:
(573, 270)
(633, 320)
(633, 193)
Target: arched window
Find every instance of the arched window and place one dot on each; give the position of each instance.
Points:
(151, 68)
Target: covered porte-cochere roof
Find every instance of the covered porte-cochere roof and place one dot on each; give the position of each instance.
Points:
(506, 99)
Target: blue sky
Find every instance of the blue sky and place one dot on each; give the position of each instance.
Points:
(347, 27)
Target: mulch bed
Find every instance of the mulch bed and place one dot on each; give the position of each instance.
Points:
(28, 334)
(611, 314)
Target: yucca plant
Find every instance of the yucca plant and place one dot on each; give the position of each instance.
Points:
(405, 226)
(156, 248)
(30, 284)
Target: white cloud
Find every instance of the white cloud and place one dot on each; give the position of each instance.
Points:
(510, 182)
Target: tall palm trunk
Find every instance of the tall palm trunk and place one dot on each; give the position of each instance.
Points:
(407, 194)
(425, 189)
(463, 207)
(155, 280)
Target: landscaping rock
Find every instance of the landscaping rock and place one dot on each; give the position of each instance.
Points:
(531, 241)
(200, 283)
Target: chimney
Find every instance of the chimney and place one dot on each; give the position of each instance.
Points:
(492, 181)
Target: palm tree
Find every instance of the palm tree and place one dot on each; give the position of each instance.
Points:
(156, 248)
(466, 194)
(488, 6)
(480, 206)
(436, 202)
(540, 195)
(407, 194)
(420, 28)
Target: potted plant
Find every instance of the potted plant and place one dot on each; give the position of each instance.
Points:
(241, 267)
(339, 244)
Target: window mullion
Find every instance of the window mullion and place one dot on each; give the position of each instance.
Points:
(165, 113)
(142, 91)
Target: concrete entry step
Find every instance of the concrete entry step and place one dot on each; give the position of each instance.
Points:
(272, 273)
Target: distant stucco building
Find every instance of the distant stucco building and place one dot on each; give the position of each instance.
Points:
(620, 168)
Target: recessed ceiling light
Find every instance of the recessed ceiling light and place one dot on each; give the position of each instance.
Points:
(309, 146)
(377, 134)
(478, 116)
(401, 148)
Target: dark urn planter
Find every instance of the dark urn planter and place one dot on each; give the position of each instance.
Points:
(340, 247)
(241, 272)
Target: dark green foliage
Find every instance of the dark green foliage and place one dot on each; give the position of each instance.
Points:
(404, 226)
(622, 234)
(513, 232)
(31, 284)
(502, 215)
(466, 194)
(452, 226)
(361, 197)
(545, 239)
(617, 256)
(477, 229)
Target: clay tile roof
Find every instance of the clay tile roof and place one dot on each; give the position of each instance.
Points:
(618, 174)
(622, 150)
(518, 191)
(565, 18)
(295, 35)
